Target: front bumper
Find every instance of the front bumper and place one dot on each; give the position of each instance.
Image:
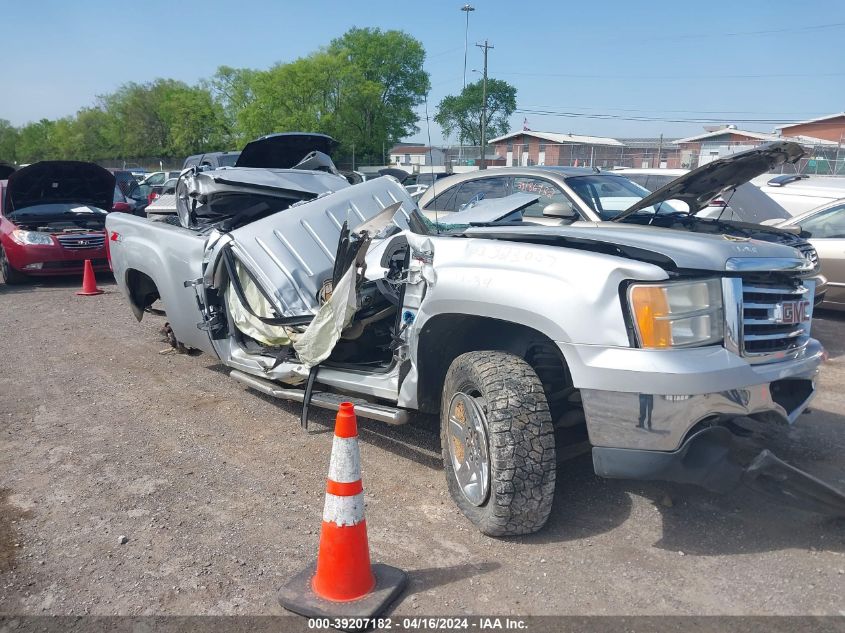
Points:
(647, 399)
(707, 459)
(54, 260)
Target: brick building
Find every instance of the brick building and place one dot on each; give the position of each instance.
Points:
(830, 128)
(527, 147)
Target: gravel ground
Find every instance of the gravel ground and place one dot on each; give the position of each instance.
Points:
(219, 494)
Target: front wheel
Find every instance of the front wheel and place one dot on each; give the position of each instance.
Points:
(498, 443)
(10, 275)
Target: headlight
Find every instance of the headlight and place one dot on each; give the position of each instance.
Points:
(32, 238)
(677, 314)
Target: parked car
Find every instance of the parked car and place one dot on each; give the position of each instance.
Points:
(152, 192)
(120, 203)
(212, 160)
(139, 196)
(566, 194)
(124, 179)
(657, 345)
(52, 218)
(159, 177)
(799, 193)
(745, 203)
(825, 229)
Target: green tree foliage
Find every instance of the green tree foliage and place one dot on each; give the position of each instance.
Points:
(361, 89)
(387, 83)
(35, 142)
(461, 113)
(232, 88)
(8, 141)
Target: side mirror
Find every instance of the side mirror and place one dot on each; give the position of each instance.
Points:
(560, 210)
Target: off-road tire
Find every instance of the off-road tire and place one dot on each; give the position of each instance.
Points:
(9, 274)
(521, 442)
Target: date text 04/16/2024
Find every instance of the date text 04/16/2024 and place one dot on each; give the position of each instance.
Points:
(420, 623)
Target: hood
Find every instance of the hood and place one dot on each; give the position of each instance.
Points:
(60, 181)
(5, 171)
(668, 248)
(701, 185)
(284, 150)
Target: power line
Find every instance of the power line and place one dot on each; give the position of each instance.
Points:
(618, 117)
(791, 29)
(800, 115)
(638, 77)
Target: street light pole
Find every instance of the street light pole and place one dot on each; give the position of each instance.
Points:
(483, 162)
(467, 8)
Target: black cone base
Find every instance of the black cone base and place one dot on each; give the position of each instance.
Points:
(298, 596)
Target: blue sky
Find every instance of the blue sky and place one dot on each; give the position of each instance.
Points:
(671, 61)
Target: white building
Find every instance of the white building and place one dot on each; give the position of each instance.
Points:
(415, 156)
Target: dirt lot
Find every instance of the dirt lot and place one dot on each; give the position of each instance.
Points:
(220, 494)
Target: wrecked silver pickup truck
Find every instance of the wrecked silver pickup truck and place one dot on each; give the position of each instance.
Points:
(656, 345)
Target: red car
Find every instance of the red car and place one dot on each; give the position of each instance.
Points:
(52, 218)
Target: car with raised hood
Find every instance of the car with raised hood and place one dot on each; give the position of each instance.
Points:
(52, 218)
(824, 228)
(742, 203)
(659, 350)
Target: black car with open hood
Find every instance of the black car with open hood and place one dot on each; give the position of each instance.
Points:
(284, 150)
(59, 182)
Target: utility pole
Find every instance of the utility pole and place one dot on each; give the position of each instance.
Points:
(659, 150)
(483, 163)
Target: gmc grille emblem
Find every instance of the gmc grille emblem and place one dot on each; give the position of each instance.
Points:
(791, 312)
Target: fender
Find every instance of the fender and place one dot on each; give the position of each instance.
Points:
(169, 256)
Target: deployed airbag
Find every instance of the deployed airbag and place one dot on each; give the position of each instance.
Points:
(252, 326)
(317, 342)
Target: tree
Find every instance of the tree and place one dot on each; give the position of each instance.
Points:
(300, 95)
(462, 113)
(386, 82)
(34, 142)
(8, 141)
(232, 89)
(163, 118)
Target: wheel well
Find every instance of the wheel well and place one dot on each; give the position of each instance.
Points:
(445, 337)
(143, 291)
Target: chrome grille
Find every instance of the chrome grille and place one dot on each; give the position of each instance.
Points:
(769, 315)
(82, 241)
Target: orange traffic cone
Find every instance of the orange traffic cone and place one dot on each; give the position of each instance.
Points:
(344, 583)
(89, 282)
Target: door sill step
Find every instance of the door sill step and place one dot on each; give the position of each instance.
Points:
(324, 399)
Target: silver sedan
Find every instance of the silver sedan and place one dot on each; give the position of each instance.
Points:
(825, 229)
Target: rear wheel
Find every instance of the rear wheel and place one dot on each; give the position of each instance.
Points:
(10, 275)
(498, 443)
